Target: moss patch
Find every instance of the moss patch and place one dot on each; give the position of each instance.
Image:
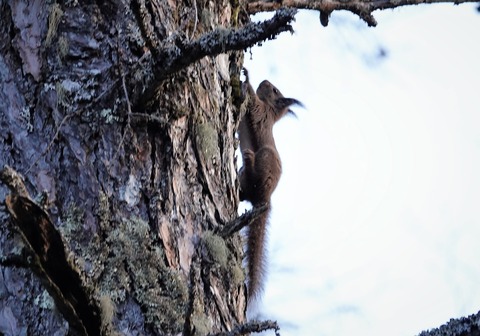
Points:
(135, 268)
(217, 249)
(53, 20)
(207, 141)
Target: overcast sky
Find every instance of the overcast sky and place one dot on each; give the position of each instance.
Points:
(376, 221)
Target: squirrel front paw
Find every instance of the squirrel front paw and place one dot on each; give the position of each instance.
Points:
(245, 73)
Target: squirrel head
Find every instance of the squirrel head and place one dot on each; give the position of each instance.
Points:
(270, 95)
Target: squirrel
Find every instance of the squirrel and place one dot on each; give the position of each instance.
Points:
(261, 168)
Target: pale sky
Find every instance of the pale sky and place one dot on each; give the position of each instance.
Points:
(376, 219)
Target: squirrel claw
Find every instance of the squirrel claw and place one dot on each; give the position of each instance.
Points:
(245, 73)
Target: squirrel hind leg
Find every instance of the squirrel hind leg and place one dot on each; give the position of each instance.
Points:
(268, 170)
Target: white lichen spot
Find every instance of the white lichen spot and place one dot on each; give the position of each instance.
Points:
(63, 47)
(25, 115)
(44, 301)
(48, 87)
(70, 85)
(107, 115)
(130, 192)
(53, 20)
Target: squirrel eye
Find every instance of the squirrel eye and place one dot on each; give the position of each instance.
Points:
(275, 90)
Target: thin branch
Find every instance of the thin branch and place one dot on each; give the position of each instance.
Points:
(138, 64)
(252, 327)
(242, 221)
(457, 327)
(362, 8)
(129, 113)
(149, 118)
(222, 40)
(14, 260)
(50, 144)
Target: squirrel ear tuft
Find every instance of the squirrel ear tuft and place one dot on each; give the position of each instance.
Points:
(281, 103)
(292, 113)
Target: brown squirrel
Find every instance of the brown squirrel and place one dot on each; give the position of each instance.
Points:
(261, 169)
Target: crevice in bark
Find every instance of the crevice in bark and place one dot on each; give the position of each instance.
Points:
(194, 279)
(153, 155)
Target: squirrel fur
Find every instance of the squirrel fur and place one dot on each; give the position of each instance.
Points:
(261, 168)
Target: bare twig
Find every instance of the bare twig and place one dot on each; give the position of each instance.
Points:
(468, 325)
(129, 113)
(362, 8)
(252, 327)
(149, 117)
(50, 144)
(242, 221)
(134, 67)
(14, 260)
(222, 40)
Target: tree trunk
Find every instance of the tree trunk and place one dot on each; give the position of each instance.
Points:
(138, 180)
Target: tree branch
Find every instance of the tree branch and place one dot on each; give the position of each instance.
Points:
(462, 326)
(222, 40)
(177, 53)
(242, 221)
(252, 327)
(362, 8)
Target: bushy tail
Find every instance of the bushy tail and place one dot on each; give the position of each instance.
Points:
(256, 254)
